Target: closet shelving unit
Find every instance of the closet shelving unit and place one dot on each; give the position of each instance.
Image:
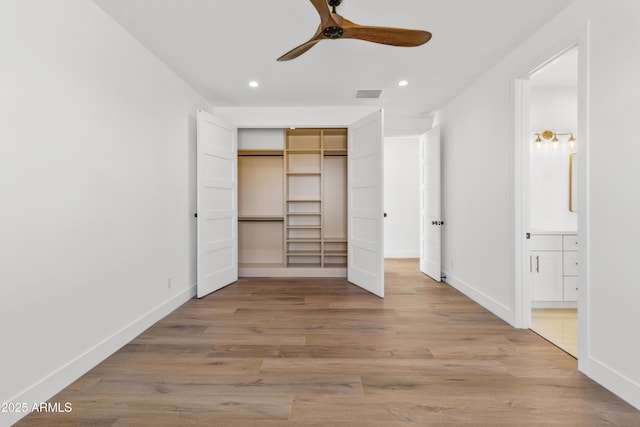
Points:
(300, 192)
(315, 224)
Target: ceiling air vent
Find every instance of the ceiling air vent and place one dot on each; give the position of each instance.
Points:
(368, 93)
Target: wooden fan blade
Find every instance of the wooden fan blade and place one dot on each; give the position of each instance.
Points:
(297, 51)
(323, 9)
(326, 19)
(386, 35)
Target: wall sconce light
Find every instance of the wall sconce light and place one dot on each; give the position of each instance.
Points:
(551, 136)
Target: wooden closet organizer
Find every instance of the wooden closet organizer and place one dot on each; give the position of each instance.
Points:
(292, 206)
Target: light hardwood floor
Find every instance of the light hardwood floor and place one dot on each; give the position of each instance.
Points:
(307, 352)
(559, 326)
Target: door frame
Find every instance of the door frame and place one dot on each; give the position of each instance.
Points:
(521, 136)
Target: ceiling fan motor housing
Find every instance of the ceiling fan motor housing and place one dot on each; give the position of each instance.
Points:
(333, 32)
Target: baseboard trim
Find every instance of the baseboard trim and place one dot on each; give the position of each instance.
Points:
(52, 384)
(614, 381)
(500, 310)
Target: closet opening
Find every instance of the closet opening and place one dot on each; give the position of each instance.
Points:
(292, 202)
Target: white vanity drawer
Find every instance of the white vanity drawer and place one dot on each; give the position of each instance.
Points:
(545, 242)
(570, 288)
(570, 264)
(570, 242)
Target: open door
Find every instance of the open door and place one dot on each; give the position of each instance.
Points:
(430, 200)
(365, 194)
(217, 260)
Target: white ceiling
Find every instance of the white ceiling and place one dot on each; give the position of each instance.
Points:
(218, 46)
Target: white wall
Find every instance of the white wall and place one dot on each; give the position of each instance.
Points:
(556, 109)
(479, 191)
(97, 159)
(402, 197)
(284, 117)
(614, 198)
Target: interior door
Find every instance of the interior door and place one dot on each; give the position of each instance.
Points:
(365, 194)
(430, 204)
(217, 260)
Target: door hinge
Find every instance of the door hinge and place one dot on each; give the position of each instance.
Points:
(195, 215)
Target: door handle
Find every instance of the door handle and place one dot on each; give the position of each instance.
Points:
(537, 263)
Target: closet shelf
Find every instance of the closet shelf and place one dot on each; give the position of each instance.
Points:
(304, 253)
(260, 218)
(303, 151)
(335, 239)
(304, 227)
(260, 153)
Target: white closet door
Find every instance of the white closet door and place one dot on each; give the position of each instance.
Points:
(365, 194)
(217, 262)
(430, 209)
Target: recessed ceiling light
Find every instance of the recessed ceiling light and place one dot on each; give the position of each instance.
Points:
(403, 83)
(254, 83)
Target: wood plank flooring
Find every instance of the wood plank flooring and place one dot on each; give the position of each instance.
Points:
(311, 352)
(559, 326)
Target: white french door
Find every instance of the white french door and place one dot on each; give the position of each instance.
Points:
(217, 259)
(430, 204)
(365, 194)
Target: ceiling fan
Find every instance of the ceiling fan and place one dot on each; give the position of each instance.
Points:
(334, 26)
